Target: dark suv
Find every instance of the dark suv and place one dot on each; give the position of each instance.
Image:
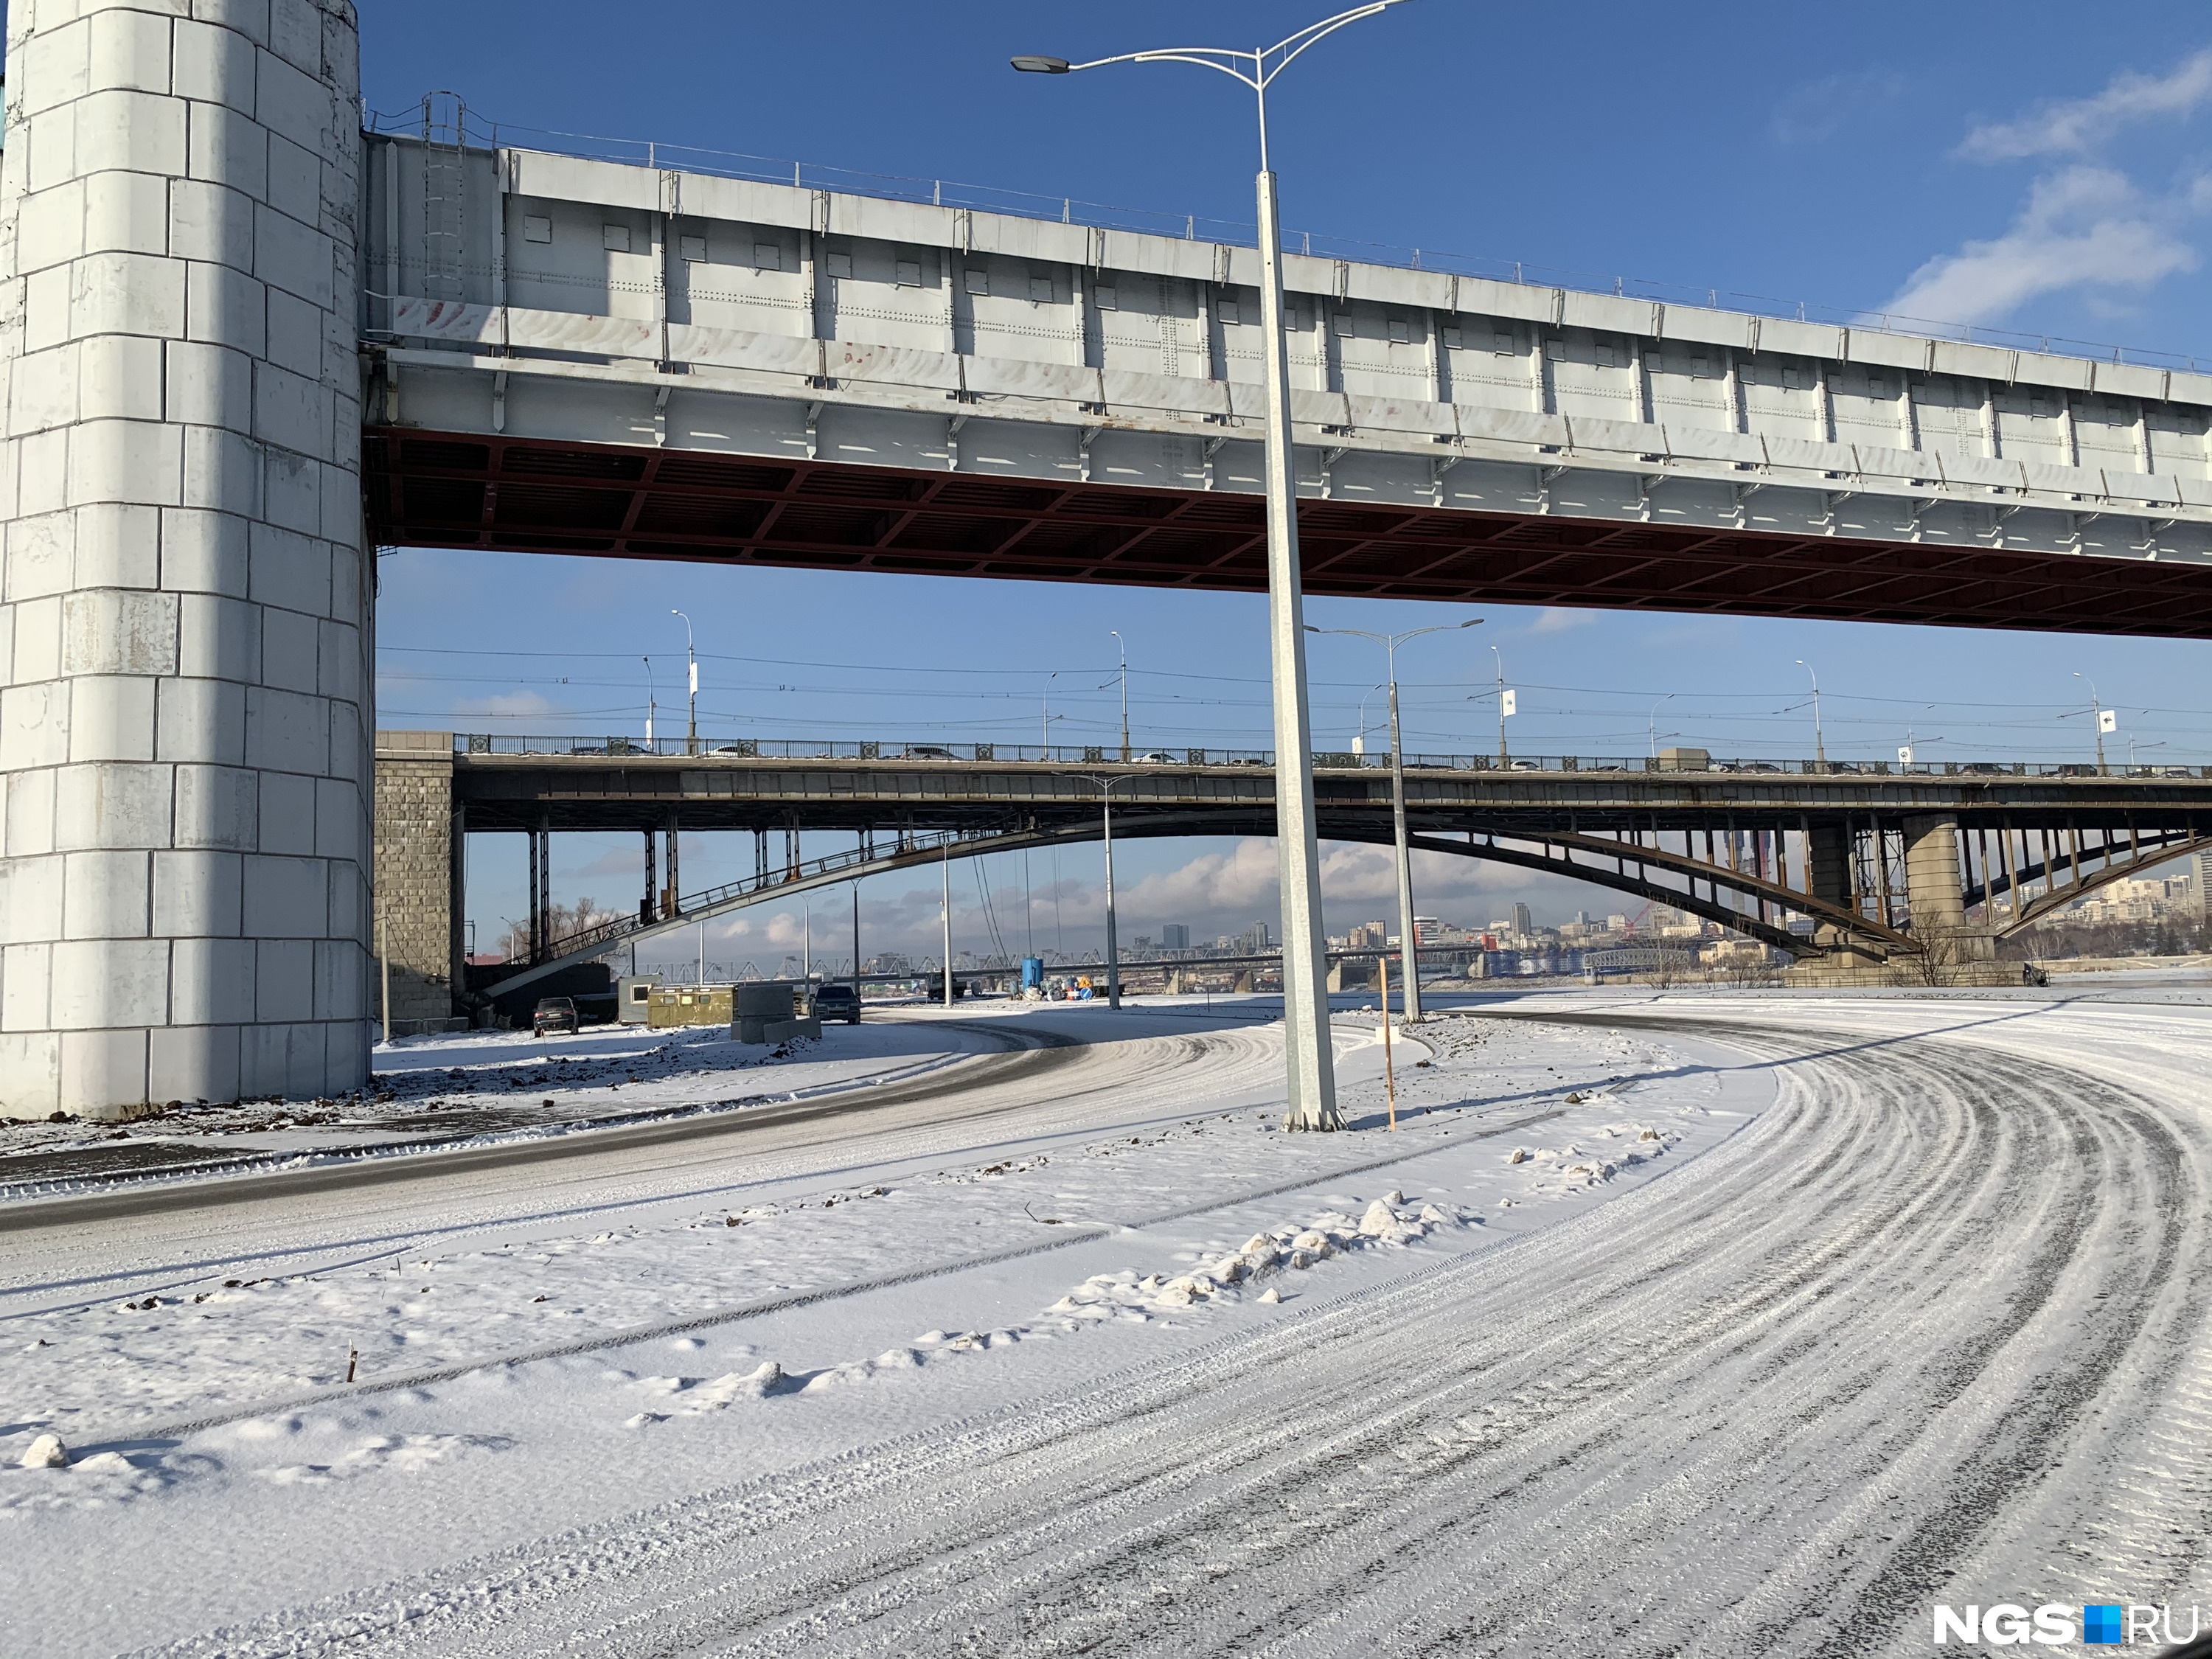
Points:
(837, 1002)
(554, 1014)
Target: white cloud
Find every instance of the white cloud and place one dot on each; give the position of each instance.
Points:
(1816, 113)
(1557, 619)
(2069, 126)
(2084, 227)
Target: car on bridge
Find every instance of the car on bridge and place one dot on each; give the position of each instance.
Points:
(834, 1001)
(925, 751)
(1156, 757)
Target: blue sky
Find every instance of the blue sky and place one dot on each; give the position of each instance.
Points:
(2040, 167)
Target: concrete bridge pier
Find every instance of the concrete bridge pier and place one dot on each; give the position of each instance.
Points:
(1935, 893)
(184, 607)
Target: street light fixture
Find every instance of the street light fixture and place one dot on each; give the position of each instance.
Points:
(652, 702)
(2104, 720)
(1505, 705)
(1820, 744)
(1359, 738)
(1408, 949)
(1652, 724)
(1106, 787)
(1044, 711)
(691, 732)
(1309, 1063)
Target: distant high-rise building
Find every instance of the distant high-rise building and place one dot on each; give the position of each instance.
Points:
(1426, 930)
(1256, 940)
(1523, 923)
(1174, 936)
(2201, 872)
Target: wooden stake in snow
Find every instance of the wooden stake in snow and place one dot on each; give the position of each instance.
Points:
(1390, 1075)
(353, 1359)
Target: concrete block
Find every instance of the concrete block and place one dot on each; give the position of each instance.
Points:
(126, 213)
(106, 630)
(193, 1062)
(26, 977)
(249, 17)
(129, 132)
(139, 461)
(349, 589)
(122, 379)
(37, 640)
(291, 411)
(31, 900)
(222, 472)
(112, 804)
(286, 898)
(348, 900)
(204, 552)
(6, 644)
(286, 732)
(112, 718)
(30, 1074)
(349, 753)
(199, 895)
(53, 67)
(341, 661)
(291, 491)
(285, 980)
(103, 1072)
(339, 820)
(296, 336)
(290, 570)
(228, 148)
(217, 806)
(212, 981)
(42, 390)
(288, 650)
(119, 545)
(128, 49)
(50, 227)
(306, 1071)
(126, 294)
(288, 814)
(41, 472)
(109, 981)
(40, 555)
(34, 726)
(212, 222)
(212, 63)
(294, 257)
(295, 181)
(295, 35)
(342, 57)
(48, 143)
(219, 638)
(209, 385)
(107, 895)
(29, 824)
(226, 307)
(342, 978)
(46, 306)
(200, 721)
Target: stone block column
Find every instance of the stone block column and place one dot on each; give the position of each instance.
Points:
(185, 621)
(1935, 891)
(417, 874)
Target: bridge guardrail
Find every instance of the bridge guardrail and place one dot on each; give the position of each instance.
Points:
(800, 749)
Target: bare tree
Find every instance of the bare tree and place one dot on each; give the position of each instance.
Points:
(562, 921)
(1936, 961)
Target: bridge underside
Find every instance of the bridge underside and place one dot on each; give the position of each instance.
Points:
(523, 495)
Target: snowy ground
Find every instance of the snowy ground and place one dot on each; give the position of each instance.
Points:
(1661, 1323)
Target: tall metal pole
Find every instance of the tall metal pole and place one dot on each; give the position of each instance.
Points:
(806, 962)
(1500, 655)
(1124, 647)
(856, 941)
(1820, 743)
(2096, 719)
(944, 912)
(1310, 1065)
(1113, 936)
(1408, 941)
(691, 656)
(1044, 712)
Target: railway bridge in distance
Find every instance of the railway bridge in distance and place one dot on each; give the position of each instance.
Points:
(1850, 865)
(245, 341)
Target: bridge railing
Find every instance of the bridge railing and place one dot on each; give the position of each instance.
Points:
(801, 748)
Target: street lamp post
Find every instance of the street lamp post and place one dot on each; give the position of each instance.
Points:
(1408, 950)
(2096, 718)
(1504, 707)
(1311, 1073)
(1106, 787)
(1653, 724)
(1820, 744)
(1123, 646)
(691, 730)
(652, 702)
(1044, 711)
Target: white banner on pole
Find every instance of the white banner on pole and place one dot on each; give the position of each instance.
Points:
(2107, 721)
(695, 679)
(1904, 756)
(1506, 705)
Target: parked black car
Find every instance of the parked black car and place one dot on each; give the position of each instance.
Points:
(554, 1014)
(837, 1002)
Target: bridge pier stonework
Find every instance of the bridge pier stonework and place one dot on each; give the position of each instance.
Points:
(1935, 894)
(184, 607)
(419, 866)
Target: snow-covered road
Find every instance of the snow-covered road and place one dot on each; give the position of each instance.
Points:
(1917, 1313)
